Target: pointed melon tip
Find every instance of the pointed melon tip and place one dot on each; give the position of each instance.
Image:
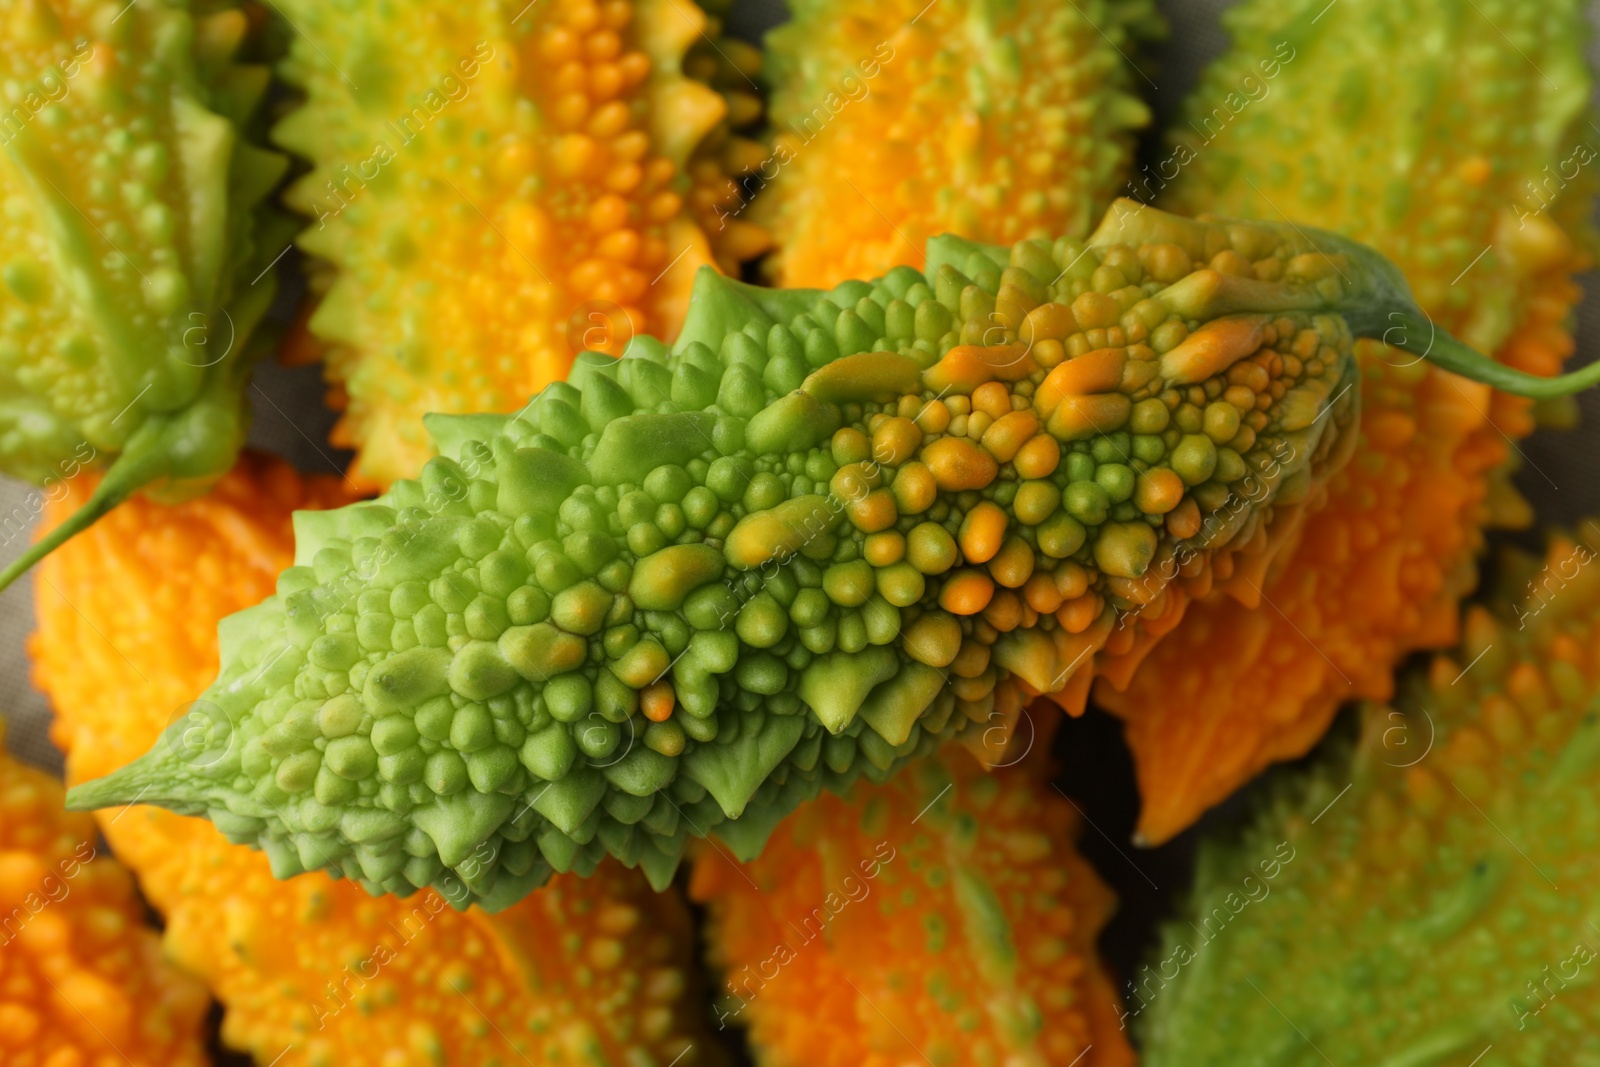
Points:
(147, 780)
(114, 789)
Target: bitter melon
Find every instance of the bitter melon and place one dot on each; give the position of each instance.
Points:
(134, 245)
(895, 122)
(314, 972)
(82, 978)
(944, 915)
(497, 186)
(684, 590)
(1450, 136)
(1424, 899)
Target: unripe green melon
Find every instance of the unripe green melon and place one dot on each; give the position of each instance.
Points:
(607, 622)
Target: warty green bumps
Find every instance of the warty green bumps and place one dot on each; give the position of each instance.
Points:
(683, 591)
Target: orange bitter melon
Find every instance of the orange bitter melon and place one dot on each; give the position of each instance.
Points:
(943, 917)
(82, 978)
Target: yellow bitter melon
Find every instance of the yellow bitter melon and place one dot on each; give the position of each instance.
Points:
(497, 186)
(895, 122)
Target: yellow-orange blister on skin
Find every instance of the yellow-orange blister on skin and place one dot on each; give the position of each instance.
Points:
(1255, 671)
(313, 970)
(895, 122)
(495, 188)
(943, 916)
(82, 978)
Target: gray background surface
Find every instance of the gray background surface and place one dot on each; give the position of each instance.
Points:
(1558, 476)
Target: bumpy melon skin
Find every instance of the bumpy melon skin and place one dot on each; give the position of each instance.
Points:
(1429, 158)
(132, 237)
(314, 972)
(495, 188)
(944, 913)
(897, 121)
(84, 980)
(1441, 905)
(686, 590)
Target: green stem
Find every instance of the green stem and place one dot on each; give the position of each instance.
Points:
(132, 470)
(186, 450)
(1417, 335)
